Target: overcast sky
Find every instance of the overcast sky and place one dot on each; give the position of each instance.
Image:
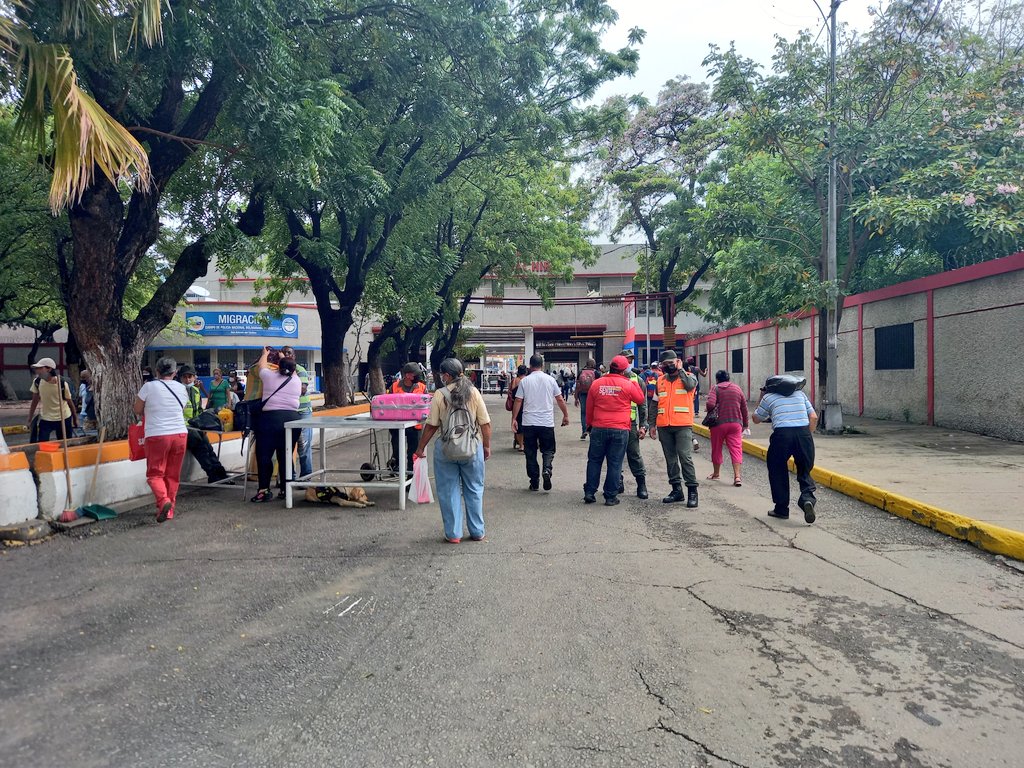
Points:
(679, 32)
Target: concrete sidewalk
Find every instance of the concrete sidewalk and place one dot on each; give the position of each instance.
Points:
(931, 475)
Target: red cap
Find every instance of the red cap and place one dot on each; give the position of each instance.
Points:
(620, 363)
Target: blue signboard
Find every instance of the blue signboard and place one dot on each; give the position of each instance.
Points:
(236, 323)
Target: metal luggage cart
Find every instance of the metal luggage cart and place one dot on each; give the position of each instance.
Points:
(372, 469)
(399, 481)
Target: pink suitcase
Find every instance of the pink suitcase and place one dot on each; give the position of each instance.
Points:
(400, 407)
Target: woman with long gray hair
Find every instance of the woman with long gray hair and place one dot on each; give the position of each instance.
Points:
(160, 404)
(458, 482)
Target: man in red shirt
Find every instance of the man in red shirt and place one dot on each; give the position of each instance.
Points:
(609, 411)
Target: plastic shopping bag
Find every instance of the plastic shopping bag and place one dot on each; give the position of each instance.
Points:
(420, 492)
(746, 432)
(137, 441)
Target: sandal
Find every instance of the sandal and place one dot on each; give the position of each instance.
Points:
(280, 494)
(737, 482)
(713, 477)
(166, 512)
(262, 496)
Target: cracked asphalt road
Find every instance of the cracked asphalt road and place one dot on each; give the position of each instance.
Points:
(640, 635)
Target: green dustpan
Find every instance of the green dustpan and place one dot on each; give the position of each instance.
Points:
(98, 512)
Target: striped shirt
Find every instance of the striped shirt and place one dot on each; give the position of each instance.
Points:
(305, 404)
(728, 398)
(792, 411)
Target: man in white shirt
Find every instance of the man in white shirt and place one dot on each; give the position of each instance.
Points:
(533, 413)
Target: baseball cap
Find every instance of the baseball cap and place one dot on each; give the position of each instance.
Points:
(627, 353)
(44, 361)
(619, 363)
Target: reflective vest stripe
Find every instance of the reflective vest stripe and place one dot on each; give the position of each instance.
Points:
(675, 404)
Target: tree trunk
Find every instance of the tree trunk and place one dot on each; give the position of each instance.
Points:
(376, 377)
(334, 325)
(439, 352)
(117, 378)
(374, 353)
(373, 356)
(6, 390)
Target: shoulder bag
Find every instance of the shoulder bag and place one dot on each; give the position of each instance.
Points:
(711, 417)
(248, 411)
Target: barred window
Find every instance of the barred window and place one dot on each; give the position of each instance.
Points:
(894, 347)
(794, 355)
(737, 361)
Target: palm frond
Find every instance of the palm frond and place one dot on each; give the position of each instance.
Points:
(8, 37)
(75, 16)
(85, 137)
(78, 16)
(147, 20)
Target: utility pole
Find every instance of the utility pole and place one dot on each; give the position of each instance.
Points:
(647, 303)
(832, 420)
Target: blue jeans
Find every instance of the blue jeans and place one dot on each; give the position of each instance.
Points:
(306, 446)
(607, 444)
(458, 482)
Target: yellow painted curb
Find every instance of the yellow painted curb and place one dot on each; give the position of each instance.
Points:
(991, 538)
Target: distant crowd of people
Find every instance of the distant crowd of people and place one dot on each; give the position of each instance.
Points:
(618, 408)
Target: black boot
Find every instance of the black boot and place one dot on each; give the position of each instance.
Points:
(691, 496)
(641, 487)
(676, 495)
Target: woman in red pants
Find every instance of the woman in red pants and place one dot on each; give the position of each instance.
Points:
(160, 404)
(732, 420)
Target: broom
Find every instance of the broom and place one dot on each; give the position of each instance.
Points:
(95, 511)
(69, 512)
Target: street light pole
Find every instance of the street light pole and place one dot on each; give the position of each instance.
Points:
(647, 304)
(833, 410)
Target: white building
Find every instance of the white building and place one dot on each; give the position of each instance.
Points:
(218, 326)
(592, 316)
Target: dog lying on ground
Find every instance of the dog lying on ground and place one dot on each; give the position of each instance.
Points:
(351, 496)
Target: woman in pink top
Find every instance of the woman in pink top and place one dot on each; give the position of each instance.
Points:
(281, 390)
(732, 420)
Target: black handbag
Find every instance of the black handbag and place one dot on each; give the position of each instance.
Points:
(208, 421)
(248, 412)
(711, 417)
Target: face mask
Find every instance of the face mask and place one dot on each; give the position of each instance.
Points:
(668, 370)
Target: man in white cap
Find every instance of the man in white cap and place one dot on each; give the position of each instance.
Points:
(51, 395)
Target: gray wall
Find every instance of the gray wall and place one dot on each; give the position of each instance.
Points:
(979, 371)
